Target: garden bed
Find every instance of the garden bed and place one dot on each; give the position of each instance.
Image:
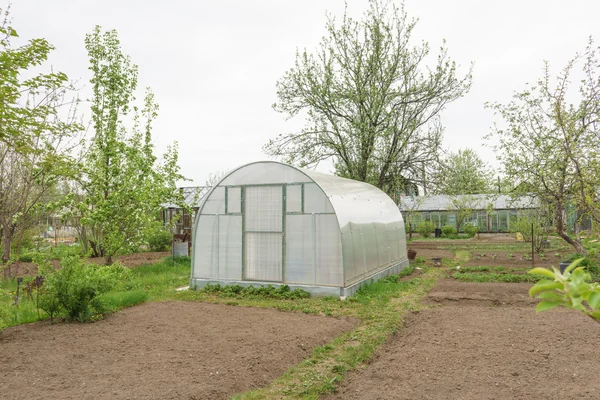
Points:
(169, 350)
(485, 342)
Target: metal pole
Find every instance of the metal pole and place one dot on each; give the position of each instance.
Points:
(532, 252)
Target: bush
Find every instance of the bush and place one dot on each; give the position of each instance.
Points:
(158, 237)
(75, 288)
(471, 229)
(448, 230)
(425, 228)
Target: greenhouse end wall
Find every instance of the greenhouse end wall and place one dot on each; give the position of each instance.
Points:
(271, 223)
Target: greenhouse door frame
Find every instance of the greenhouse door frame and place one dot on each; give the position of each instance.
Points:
(245, 233)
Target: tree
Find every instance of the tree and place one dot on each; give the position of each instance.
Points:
(372, 106)
(409, 205)
(549, 147)
(123, 184)
(463, 205)
(34, 135)
(463, 172)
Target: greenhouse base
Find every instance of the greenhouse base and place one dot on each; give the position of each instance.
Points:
(197, 283)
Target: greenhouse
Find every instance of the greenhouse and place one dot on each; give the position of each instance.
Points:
(272, 223)
(490, 213)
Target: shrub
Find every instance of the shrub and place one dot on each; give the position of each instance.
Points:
(425, 228)
(471, 229)
(76, 285)
(448, 230)
(158, 237)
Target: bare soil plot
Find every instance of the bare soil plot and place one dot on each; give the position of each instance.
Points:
(129, 260)
(172, 350)
(484, 342)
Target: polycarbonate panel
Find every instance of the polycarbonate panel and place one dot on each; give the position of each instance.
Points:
(293, 197)
(315, 200)
(328, 252)
(230, 247)
(206, 247)
(300, 252)
(263, 209)
(360, 266)
(215, 203)
(383, 245)
(263, 256)
(265, 173)
(234, 200)
(394, 241)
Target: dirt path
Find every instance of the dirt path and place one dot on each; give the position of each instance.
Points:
(173, 350)
(485, 342)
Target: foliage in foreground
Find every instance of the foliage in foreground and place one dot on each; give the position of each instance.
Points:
(571, 289)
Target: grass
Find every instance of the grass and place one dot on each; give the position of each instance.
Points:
(153, 282)
(379, 306)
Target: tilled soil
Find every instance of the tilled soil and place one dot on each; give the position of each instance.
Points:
(172, 350)
(489, 345)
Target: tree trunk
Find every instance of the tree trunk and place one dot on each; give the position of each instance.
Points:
(6, 255)
(560, 229)
(108, 260)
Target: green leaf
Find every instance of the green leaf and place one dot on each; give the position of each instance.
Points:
(573, 265)
(594, 300)
(546, 305)
(542, 271)
(543, 286)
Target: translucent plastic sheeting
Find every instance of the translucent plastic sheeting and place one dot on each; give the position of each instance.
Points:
(215, 203)
(300, 243)
(315, 200)
(329, 251)
(230, 247)
(234, 200)
(293, 199)
(262, 173)
(264, 209)
(206, 246)
(263, 257)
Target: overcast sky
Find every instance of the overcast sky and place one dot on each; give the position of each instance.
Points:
(213, 64)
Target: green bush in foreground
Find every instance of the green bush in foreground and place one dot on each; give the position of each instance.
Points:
(76, 286)
(571, 289)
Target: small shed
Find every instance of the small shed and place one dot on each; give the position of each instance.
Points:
(272, 223)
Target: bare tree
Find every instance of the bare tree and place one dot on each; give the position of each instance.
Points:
(371, 103)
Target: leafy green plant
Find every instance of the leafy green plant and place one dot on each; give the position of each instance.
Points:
(75, 286)
(471, 229)
(448, 230)
(425, 228)
(492, 277)
(571, 289)
(267, 292)
(420, 260)
(158, 237)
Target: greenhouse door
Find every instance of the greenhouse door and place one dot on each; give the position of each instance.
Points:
(263, 233)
